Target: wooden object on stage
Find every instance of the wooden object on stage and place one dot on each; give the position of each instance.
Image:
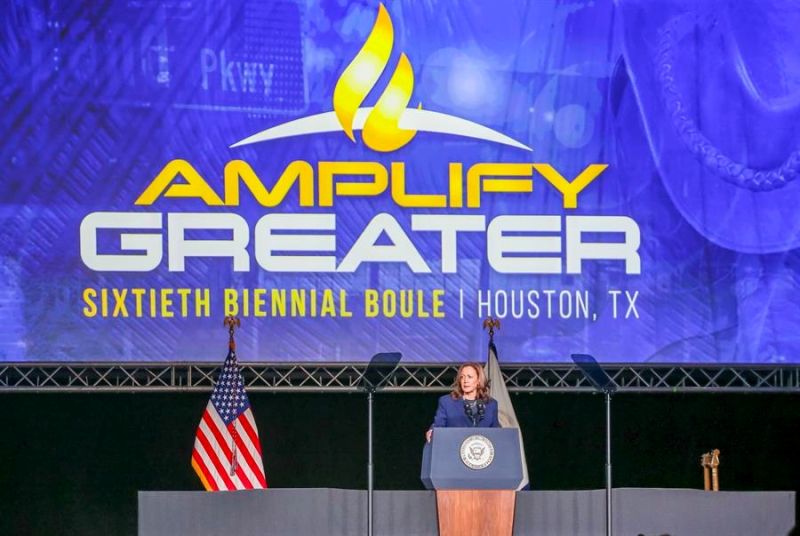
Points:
(710, 463)
(715, 470)
(479, 512)
(705, 462)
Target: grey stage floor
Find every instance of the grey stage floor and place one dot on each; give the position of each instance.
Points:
(311, 512)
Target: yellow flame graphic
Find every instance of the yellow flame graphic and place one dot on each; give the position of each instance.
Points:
(381, 130)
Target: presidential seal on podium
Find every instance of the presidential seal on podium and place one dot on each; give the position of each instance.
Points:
(477, 452)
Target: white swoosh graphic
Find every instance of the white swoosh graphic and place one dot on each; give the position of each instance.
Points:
(412, 119)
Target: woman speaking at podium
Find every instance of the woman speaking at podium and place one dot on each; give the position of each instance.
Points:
(468, 405)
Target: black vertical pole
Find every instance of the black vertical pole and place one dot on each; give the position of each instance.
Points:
(370, 393)
(608, 463)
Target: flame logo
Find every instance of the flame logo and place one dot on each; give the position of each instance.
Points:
(380, 124)
(382, 130)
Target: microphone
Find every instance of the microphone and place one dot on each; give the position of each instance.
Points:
(475, 419)
(470, 415)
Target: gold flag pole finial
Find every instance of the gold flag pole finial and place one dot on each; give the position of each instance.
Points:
(492, 324)
(231, 322)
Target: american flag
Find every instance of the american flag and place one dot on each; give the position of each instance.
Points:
(227, 452)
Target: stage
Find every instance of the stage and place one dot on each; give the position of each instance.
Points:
(330, 512)
(300, 244)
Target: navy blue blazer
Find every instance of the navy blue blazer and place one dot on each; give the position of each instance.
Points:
(450, 414)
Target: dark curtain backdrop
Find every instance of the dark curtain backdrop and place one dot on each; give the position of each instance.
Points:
(72, 463)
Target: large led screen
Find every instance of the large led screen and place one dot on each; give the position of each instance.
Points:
(613, 178)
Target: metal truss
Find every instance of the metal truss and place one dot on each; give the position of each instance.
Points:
(347, 377)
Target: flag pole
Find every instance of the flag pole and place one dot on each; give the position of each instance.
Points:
(232, 323)
(497, 386)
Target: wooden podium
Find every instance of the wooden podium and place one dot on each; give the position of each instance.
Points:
(475, 472)
(475, 512)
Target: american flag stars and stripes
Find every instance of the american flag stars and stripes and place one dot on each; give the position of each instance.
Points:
(227, 451)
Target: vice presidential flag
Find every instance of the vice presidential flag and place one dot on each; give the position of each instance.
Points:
(227, 451)
(505, 410)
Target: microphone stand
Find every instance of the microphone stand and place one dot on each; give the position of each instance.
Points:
(370, 484)
(377, 373)
(602, 382)
(607, 393)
